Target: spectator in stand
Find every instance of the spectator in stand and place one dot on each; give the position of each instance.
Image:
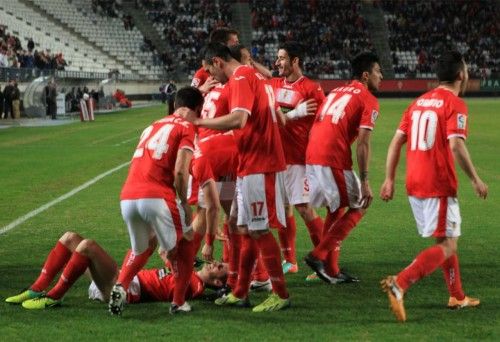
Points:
(31, 45)
(1, 103)
(16, 102)
(7, 93)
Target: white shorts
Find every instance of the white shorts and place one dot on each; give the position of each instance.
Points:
(260, 199)
(146, 216)
(436, 216)
(226, 192)
(296, 185)
(334, 188)
(134, 290)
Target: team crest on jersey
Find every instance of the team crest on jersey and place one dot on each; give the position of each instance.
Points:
(286, 96)
(374, 116)
(461, 121)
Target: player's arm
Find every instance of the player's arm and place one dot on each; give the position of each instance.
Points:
(236, 119)
(462, 156)
(212, 203)
(181, 177)
(393, 154)
(261, 69)
(363, 157)
(208, 85)
(306, 108)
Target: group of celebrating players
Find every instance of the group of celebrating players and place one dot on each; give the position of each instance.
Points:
(258, 147)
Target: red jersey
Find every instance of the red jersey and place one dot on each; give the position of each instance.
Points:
(295, 133)
(158, 285)
(344, 111)
(215, 105)
(215, 157)
(200, 77)
(259, 144)
(151, 173)
(428, 123)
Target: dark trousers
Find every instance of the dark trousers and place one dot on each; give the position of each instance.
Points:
(8, 109)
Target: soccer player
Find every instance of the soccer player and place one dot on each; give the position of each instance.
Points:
(73, 255)
(434, 128)
(154, 198)
(261, 162)
(347, 114)
(295, 92)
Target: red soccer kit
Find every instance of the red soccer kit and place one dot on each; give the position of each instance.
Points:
(151, 173)
(158, 285)
(259, 144)
(344, 111)
(200, 77)
(428, 123)
(295, 134)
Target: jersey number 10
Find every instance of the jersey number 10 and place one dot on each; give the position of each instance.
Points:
(423, 130)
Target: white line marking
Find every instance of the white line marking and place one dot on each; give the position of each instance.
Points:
(125, 141)
(67, 195)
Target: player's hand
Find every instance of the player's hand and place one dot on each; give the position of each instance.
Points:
(188, 213)
(207, 252)
(221, 236)
(387, 190)
(480, 188)
(208, 85)
(366, 194)
(311, 106)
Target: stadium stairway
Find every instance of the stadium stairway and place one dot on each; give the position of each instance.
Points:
(74, 33)
(379, 36)
(242, 22)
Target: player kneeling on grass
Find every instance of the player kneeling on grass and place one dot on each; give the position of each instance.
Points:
(75, 255)
(435, 128)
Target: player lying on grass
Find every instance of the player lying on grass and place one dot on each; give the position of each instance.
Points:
(73, 254)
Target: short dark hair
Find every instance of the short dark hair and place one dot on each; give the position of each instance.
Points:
(236, 51)
(221, 35)
(216, 50)
(293, 49)
(363, 62)
(189, 97)
(449, 64)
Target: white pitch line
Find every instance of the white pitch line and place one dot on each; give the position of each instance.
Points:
(67, 195)
(125, 141)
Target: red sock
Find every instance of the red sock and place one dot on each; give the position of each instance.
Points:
(54, 263)
(338, 232)
(225, 244)
(315, 228)
(451, 272)
(424, 264)
(132, 265)
(260, 271)
(184, 263)
(248, 255)
(270, 252)
(332, 260)
(197, 238)
(331, 218)
(73, 270)
(287, 236)
(234, 260)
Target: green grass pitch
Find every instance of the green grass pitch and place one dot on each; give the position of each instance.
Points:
(39, 164)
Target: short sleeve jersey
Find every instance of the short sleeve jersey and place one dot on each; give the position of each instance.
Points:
(259, 143)
(215, 105)
(158, 285)
(295, 133)
(428, 123)
(215, 157)
(344, 111)
(200, 77)
(151, 173)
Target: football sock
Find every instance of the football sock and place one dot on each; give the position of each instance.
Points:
(315, 228)
(451, 272)
(332, 260)
(248, 255)
(260, 271)
(331, 218)
(185, 259)
(287, 236)
(54, 263)
(424, 264)
(225, 244)
(132, 265)
(76, 266)
(234, 258)
(338, 232)
(197, 239)
(270, 252)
